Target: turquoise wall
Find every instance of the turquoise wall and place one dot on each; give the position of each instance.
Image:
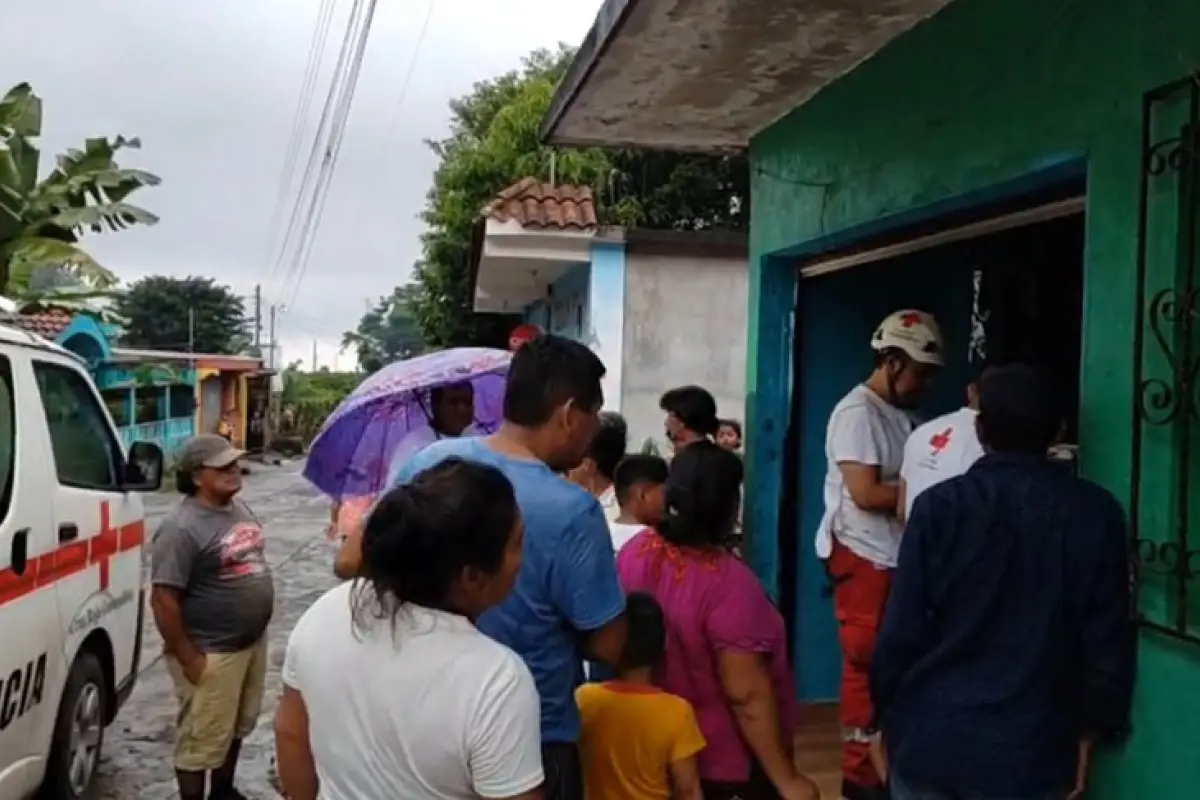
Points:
(606, 315)
(987, 92)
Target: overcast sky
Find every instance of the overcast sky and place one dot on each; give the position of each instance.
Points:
(211, 89)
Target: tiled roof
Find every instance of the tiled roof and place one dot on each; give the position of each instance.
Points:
(534, 204)
(44, 323)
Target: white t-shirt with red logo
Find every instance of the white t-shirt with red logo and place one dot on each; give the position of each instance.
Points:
(863, 429)
(941, 449)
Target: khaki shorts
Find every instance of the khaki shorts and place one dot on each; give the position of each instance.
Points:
(224, 705)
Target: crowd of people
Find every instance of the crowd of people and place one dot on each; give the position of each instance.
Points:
(540, 614)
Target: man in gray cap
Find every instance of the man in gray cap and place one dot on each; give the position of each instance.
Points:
(212, 598)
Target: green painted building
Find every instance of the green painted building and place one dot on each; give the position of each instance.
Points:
(1028, 171)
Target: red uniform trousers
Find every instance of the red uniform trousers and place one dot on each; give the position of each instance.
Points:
(859, 595)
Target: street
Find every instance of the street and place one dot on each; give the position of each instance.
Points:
(137, 747)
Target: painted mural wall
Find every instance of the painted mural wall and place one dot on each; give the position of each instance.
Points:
(984, 93)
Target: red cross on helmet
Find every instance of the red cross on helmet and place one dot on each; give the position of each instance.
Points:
(914, 333)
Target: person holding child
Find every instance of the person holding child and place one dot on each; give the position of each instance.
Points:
(726, 649)
(639, 742)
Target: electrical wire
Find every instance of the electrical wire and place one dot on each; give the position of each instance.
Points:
(312, 69)
(337, 137)
(394, 119)
(320, 138)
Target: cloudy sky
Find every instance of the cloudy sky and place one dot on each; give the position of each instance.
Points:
(211, 88)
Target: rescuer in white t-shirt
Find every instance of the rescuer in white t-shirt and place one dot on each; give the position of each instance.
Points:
(859, 536)
(941, 449)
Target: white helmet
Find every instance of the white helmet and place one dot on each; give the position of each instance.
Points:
(913, 332)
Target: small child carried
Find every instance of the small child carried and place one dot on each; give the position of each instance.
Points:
(637, 741)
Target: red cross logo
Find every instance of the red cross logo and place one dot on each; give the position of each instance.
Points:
(939, 441)
(910, 319)
(101, 551)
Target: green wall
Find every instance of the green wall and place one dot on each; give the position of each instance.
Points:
(986, 92)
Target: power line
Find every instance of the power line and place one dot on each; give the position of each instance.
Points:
(312, 69)
(337, 137)
(320, 137)
(394, 118)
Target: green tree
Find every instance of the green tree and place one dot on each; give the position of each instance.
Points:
(386, 333)
(41, 220)
(167, 313)
(309, 397)
(494, 142)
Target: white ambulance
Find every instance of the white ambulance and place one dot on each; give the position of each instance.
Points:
(72, 529)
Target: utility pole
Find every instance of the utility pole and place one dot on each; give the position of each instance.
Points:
(271, 343)
(314, 364)
(191, 330)
(258, 316)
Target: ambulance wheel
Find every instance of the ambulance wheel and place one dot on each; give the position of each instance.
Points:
(78, 732)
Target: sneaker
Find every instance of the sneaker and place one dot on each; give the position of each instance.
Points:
(227, 794)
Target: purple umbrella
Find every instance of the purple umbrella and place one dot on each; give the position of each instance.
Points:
(351, 453)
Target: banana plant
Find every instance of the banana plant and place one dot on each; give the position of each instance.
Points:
(41, 220)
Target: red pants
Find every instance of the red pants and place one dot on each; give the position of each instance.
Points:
(859, 595)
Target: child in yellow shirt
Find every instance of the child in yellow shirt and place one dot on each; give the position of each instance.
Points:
(639, 742)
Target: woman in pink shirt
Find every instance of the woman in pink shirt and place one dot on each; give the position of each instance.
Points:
(726, 648)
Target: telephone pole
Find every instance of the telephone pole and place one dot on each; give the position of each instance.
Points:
(314, 364)
(271, 338)
(258, 316)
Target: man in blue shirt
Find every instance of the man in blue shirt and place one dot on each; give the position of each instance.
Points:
(567, 604)
(1007, 647)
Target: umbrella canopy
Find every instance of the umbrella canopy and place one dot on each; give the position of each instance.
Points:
(351, 453)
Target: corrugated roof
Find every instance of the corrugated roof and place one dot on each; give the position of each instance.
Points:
(44, 323)
(534, 204)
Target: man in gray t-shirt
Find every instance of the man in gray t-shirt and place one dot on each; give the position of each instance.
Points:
(212, 599)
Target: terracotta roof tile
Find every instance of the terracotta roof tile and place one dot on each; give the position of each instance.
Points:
(534, 204)
(44, 323)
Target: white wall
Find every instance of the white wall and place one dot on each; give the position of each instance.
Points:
(685, 323)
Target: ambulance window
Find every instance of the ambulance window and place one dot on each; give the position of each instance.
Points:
(86, 455)
(8, 437)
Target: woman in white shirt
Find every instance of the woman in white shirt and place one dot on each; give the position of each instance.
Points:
(389, 689)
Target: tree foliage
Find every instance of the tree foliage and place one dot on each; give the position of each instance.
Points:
(309, 397)
(41, 220)
(386, 333)
(166, 313)
(494, 142)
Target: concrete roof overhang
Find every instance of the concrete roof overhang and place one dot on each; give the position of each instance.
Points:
(707, 75)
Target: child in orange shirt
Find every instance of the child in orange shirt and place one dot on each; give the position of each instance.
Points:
(637, 741)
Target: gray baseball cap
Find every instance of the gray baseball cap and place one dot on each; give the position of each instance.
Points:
(208, 450)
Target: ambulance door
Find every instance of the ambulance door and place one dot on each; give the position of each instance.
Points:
(31, 660)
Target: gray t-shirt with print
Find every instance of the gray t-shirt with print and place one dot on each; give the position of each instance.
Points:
(215, 558)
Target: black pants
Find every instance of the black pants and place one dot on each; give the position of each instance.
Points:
(564, 771)
(759, 787)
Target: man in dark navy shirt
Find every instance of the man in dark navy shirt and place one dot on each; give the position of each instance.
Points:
(1007, 647)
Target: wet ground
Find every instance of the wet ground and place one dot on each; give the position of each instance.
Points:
(137, 748)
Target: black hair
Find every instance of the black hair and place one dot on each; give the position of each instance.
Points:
(546, 373)
(421, 536)
(703, 493)
(1018, 409)
(647, 632)
(638, 468)
(185, 483)
(731, 423)
(609, 444)
(694, 406)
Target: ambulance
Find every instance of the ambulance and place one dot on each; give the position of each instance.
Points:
(72, 530)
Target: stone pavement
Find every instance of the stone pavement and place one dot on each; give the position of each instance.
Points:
(137, 748)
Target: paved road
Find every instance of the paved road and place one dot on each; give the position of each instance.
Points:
(137, 748)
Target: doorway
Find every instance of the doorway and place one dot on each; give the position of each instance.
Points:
(1001, 294)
